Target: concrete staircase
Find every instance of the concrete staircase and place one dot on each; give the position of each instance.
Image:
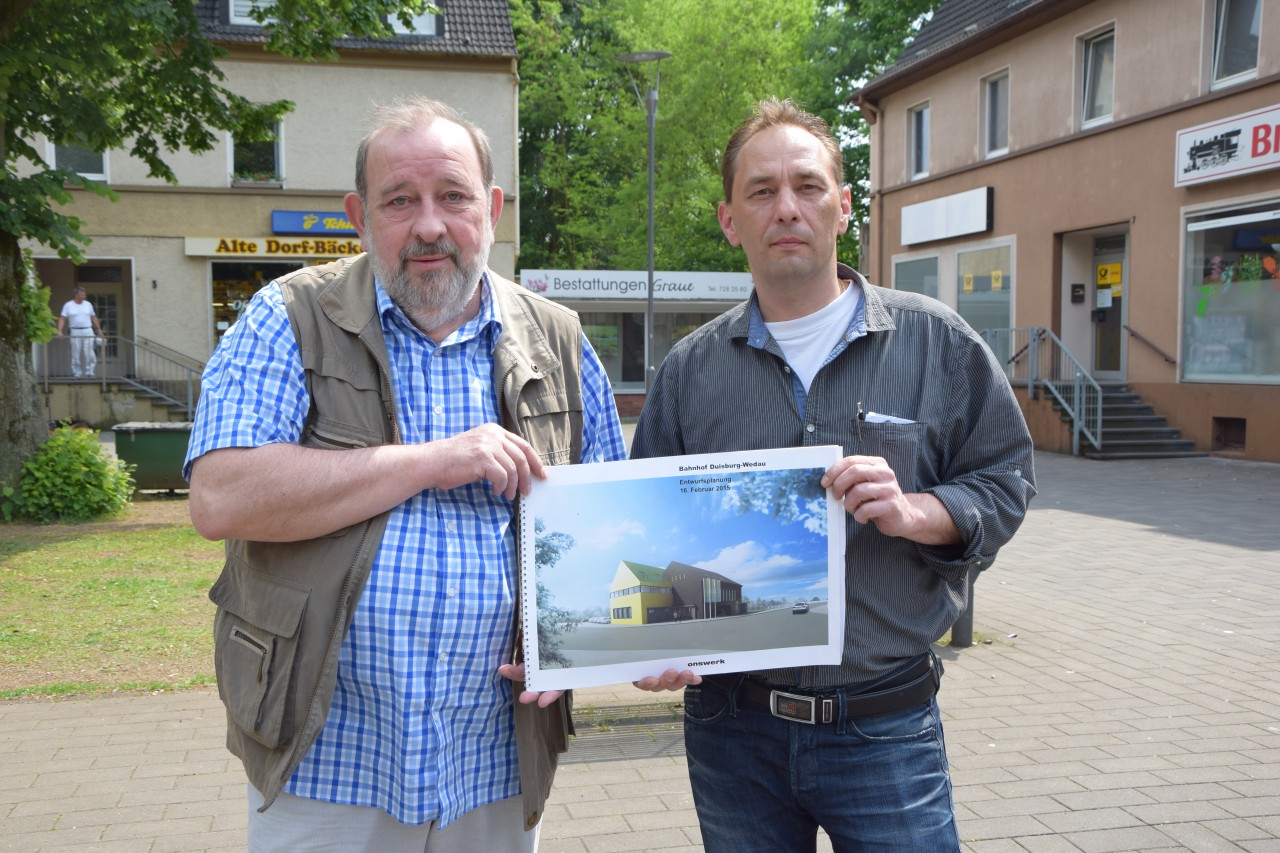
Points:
(1131, 429)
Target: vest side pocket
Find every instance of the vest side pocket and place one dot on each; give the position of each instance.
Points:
(255, 645)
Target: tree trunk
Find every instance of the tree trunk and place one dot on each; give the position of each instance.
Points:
(22, 422)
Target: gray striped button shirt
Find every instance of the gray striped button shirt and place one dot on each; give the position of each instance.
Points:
(727, 387)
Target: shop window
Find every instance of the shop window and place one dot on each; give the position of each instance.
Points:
(1231, 297)
(1235, 41)
(1099, 78)
(85, 162)
(618, 339)
(917, 276)
(257, 162)
(995, 115)
(984, 287)
(234, 284)
(918, 141)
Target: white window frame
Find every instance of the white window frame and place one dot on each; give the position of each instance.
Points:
(1009, 241)
(915, 168)
(426, 24)
(989, 149)
(949, 266)
(1085, 90)
(1255, 208)
(51, 156)
(1216, 35)
(241, 17)
(911, 257)
(231, 156)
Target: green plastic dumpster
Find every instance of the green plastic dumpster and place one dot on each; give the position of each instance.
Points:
(156, 450)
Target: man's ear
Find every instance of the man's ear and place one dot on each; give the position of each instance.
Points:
(725, 215)
(846, 209)
(495, 207)
(355, 215)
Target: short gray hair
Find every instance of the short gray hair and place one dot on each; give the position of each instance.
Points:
(413, 112)
(772, 112)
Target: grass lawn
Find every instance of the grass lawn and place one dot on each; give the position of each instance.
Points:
(118, 605)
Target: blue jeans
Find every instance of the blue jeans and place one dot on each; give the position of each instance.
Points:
(761, 783)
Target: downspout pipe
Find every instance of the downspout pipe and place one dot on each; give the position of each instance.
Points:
(871, 114)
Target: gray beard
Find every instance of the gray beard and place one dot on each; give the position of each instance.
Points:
(436, 299)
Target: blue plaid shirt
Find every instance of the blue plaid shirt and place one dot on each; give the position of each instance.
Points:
(421, 724)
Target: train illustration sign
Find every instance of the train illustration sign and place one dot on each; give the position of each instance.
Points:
(1227, 148)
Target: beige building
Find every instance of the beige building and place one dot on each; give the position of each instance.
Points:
(170, 266)
(1108, 172)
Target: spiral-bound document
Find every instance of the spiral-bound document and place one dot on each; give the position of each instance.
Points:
(720, 562)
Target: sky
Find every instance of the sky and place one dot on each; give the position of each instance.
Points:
(652, 522)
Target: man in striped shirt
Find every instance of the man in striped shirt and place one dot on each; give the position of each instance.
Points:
(937, 478)
(363, 433)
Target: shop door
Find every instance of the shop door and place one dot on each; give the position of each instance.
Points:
(1110, 289)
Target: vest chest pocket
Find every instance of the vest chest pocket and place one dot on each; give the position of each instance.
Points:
(256, 637)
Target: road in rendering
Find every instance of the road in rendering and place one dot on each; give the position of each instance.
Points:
(598, 645)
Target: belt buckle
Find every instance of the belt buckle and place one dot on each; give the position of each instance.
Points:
(792, 706)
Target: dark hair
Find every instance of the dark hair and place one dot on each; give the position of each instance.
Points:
(414, 112)
(772, 112)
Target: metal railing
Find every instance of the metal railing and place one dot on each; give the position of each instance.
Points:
(1035, 357)
(1133, 333)
(124, 362)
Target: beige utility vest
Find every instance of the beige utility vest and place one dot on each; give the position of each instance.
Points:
(284, 608)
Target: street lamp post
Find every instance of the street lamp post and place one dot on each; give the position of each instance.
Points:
(650, 103)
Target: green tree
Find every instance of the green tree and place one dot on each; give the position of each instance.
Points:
(583, 135)
(572, 98)
(137, 75)
(851, 43)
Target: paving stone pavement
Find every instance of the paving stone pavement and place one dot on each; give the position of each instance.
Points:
(1120, 696)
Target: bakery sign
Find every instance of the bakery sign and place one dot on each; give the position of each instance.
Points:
(1227, 148)
(273, 247)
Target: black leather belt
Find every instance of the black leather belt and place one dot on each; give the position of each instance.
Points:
(914, 685)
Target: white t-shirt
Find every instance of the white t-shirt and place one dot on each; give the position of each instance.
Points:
(79, 315)
(807, 341)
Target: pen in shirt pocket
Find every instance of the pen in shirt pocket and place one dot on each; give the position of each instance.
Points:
(877, 418)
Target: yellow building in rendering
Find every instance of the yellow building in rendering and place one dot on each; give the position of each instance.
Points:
(636, 589)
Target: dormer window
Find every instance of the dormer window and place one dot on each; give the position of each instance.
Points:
(241, 11)
(426, 24)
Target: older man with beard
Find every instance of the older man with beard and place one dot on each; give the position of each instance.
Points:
(363, 433)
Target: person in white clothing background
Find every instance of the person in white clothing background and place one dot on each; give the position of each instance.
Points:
(79, 315)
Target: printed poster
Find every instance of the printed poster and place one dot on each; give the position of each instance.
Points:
(716, 563)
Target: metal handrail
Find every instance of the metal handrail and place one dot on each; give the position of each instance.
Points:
(1136, 334)
(124, 361)
(1050, 365)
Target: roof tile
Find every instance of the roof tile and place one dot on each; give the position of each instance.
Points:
(471, 28)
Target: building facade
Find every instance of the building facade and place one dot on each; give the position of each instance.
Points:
(647, 595)
(170, 266)
(1104, 171)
